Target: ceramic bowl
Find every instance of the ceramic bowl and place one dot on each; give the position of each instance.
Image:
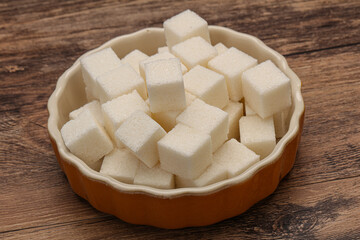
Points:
(182, 207)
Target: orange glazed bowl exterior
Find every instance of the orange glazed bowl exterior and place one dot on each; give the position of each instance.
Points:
(181, 207)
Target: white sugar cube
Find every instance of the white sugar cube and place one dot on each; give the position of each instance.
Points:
(185, 152)
(232, 63)
(194, 51)
(266, 89)
(134, 58)
(94, 107)
(140, 133)
(248, 110)
(120, 164)
(235, 157)
(220, 48)
(154, 177)
(120, 81)
(158, 56)
(117, 110)
(207, 85)
(167, 119)
(214, 173)
(183, 26)
(165, 85)
(235, 111)
(258, 134)
(208, 119)
(281, 122)
(163, 49)
(86, 138)
(96, 64)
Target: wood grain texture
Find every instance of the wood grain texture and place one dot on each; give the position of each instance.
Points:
(319, 199)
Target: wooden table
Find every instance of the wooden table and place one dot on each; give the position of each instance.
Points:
(320, 198)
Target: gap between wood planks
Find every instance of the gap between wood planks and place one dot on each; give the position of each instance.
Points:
(55, 225)
(281, 189)
(320, 49)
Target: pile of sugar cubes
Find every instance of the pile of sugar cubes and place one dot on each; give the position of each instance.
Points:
(189, 116)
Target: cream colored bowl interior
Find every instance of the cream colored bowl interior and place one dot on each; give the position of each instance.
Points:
(70, 94)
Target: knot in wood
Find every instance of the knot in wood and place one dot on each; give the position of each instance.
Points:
(296, 223)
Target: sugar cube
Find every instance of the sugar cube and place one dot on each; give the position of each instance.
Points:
(120, 81)
(234, 157)
(281, 122)
(220, 48)
(120, 164)
(248, 110)
(165, 85)
(167, 119)
(208, 119)
(185, 152)
(158, 56)
(163, 49)
(94, 107)
(140, 133)
(86, 138)
(266, 89)
(232, 63)
(183, 26)
(96, 64)
(235, 111)
(134, 58)
(207, 85)
(117, 110)
(212, 174)
(194, 51)
(154, 177)
(258, 134)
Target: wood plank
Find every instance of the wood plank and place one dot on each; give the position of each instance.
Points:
(317, 211)
(33, 189)
(39, 40)
(288, 26)
(330, 144)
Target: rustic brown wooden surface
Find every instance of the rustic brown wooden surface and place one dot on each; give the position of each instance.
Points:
(319, 199)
